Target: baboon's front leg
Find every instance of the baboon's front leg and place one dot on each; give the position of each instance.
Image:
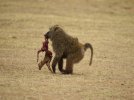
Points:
(55, 61)
(60, 65)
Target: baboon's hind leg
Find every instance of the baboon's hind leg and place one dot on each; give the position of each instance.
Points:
(69, 67)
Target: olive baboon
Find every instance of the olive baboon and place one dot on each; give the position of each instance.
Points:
(68, 47)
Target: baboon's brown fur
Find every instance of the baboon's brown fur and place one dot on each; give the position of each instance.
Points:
(68, 47)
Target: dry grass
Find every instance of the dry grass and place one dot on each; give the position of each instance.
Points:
(108, 25)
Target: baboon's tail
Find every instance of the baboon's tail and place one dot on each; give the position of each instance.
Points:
(88, 45)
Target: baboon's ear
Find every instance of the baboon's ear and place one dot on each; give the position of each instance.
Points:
(56, 28)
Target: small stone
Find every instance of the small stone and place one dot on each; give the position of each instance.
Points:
(14, 37)
(122, 84)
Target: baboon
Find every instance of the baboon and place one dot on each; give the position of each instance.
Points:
(66, 47)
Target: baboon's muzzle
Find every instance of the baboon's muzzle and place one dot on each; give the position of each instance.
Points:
(47, 35)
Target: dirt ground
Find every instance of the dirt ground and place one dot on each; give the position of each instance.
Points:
(107, 24)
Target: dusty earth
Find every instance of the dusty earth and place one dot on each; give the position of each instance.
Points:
(107, 24)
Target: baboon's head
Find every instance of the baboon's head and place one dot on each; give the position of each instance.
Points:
(52, 31)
